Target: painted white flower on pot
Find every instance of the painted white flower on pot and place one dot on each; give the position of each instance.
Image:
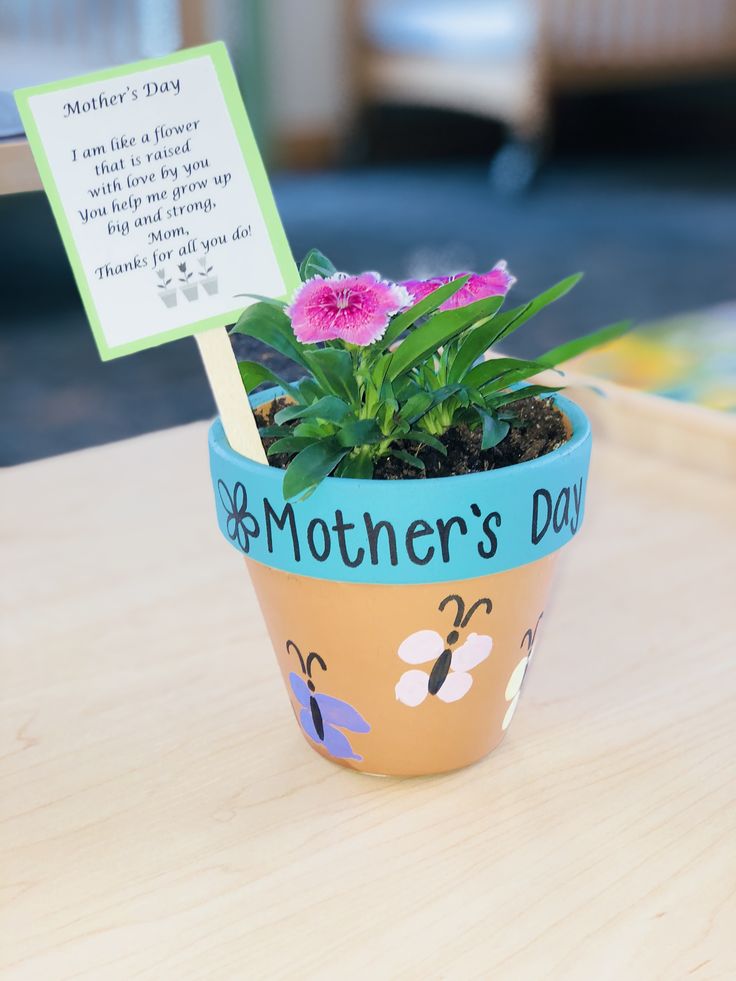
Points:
(449, 678)
(515, 682)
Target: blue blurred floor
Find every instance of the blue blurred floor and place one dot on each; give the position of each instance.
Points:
(653, 240)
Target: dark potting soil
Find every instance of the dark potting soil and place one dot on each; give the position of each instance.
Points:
(542, 430)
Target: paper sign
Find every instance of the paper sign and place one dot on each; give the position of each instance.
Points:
(160, 195)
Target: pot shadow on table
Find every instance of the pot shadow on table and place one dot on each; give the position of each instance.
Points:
(653, 240)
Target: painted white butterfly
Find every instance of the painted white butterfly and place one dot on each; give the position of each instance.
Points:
(449, 678)
(513, 688)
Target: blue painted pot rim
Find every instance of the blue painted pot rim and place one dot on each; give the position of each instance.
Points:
(404, 531)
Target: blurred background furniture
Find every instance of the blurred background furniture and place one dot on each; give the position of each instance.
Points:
(638, 187)
(43, 40)
(508, 59)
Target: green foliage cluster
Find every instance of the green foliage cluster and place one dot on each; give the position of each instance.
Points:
(355, 404)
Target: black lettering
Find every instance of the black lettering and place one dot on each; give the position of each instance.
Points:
(340, 527)
(559, 523)
(577, 493)
(418, 529)
(327, 544)
(445, 528)
(373, 532)
(286, 515)
(540, 494)
(488, 551)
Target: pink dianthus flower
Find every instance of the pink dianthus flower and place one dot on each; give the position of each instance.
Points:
(356, 309)
(496, 282)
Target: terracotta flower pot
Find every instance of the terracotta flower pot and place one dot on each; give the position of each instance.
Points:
(404, 613)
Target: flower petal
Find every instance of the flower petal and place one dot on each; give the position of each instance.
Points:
(455, 685)
(356, 309)
(240, 500)
(496, 282)
(298, 686)
(421, 646)
(337, 745)
(412, 688)
(509, 714)
(476, 648)
(339, 713)
(225, 496)
(419, 288)
(517, 676)
(242, 535)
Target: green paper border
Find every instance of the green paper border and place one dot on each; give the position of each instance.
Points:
(218, 53)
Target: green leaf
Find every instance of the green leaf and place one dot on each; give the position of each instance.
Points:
(419, 436)
(356, 466)
(330, 409)
(571, 349)
(513, 319)
(420, 403)
(429, 304)
(311, 428)
(494, 430)
(496, 368)
(511, 416)
(438, 330)
(315, 263)
(280, 304)
(388, 397)
(473, 345)
(359, 432)
(441, 395)
(404, 387)
(271, 431)
(508, 381)
(271, 326)
(309, 390)
(311, 465)
(408, 458)
(378, 371)
(290, 444)
(416, 406)
(333, 370)
(253, 373)
(525, 392)
(463, 397)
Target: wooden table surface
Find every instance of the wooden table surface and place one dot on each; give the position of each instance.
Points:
(162, 817)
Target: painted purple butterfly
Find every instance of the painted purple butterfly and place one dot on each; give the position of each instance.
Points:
(320, 714)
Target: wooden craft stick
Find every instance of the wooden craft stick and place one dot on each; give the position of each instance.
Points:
(236, 414)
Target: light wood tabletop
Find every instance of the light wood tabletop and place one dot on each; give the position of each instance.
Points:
(162, 817)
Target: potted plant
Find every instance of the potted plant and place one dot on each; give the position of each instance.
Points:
(208, 281)
(403, 542)
(189, 289)
(167, 295)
